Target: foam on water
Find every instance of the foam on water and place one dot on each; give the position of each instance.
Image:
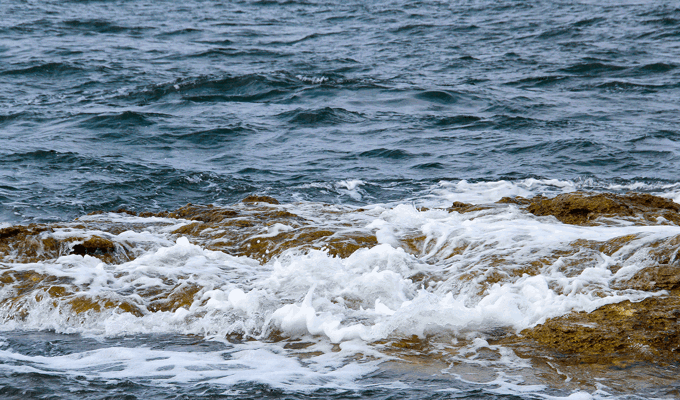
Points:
(371, 294)
(461, 282)
(489, 192)
(249, 363)
(267, 364)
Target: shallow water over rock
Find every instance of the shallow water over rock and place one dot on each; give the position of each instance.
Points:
(465, 294)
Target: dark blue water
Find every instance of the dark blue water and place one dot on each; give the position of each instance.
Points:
(149, 105)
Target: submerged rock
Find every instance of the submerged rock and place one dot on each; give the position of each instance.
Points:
(28, 243)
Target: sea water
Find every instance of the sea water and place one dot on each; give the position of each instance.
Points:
(366, 120)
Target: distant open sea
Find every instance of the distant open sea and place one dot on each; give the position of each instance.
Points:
(364, 120)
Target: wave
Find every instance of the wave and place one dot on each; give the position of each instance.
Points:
(457, 121)
(428, 166)
(539, 81)
(52, 69)
(322, 116)
(394, 154)
(589, 21)
(235, 52)
(593, 68)
(469, 268)
(102, 26)
(519, 122)
(305, 38)
(181, 32)
(278, 87)
(8, 118)
(251, 87)
(215, 136)
(665, 21)
(658, 67)
(617, 85)
(438, 96)
(415, 28)
(656, 136)
(39, 155)
(259, 268)
(124, 120)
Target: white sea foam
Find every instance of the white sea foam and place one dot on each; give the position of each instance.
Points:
(312, 79)
(247, 363)
(369, 296)
(506, 384)
(489, 192)
(352, 188)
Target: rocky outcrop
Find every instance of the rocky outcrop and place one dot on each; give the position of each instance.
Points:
(648, 330)
(583, 208)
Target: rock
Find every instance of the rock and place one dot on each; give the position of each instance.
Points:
(260, 199)
(582, 208)
(461, 207)
(648, 330)
(94, 246)
(519, 200)
(655, 278)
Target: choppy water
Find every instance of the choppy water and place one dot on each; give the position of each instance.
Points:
(386, 106)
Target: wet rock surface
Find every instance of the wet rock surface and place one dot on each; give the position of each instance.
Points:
(261, 228)
(461, 207)
(583, 208)
(25, 242)
(648, 330)
(645, 331)
(94, 246)
(35, 243)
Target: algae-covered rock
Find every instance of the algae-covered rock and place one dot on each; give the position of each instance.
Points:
(260, 199)
(654, 278)
(582, 208)
(94, 246)
(462, 208)
(648, 330)
(260, 228)
(28, 243)
(207, 213)
(242, 229)
(36, 242)
(519, 200)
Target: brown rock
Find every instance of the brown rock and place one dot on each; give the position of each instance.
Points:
(94, 246)
(648, 330)
(26, 244)
(260, 199)
(182, 295)
(582, 208)
(207, 213)
(519, 200)
(461, 207)
(658, 277)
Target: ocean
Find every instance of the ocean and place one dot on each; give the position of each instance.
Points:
(291, 199)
